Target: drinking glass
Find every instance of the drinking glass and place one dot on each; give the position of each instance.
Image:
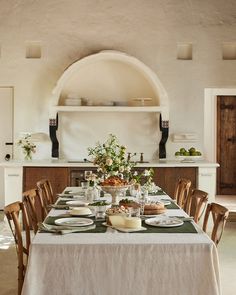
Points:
(100, 212)
(87, 175)
(141, 201)
(134, 189)
(84, 185)
(134, 212)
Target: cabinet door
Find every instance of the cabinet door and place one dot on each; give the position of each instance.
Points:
(13, 184)
(58, 176)
(166, 177)
(207, 182)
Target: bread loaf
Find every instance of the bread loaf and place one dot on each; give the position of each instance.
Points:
(154, 208)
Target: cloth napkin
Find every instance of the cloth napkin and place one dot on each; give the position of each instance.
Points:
(63, 230)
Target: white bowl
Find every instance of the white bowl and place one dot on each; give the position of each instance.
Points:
(190, 158)
(73, 101)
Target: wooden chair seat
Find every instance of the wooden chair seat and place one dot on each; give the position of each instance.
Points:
(181, 191)
(219, 215)
(18, 219)
(196, 204)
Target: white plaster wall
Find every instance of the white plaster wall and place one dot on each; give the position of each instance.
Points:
(146, 29)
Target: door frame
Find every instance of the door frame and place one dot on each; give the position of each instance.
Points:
(210, 119)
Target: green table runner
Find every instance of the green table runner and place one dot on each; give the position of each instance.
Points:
(171, 206)
(187, 227)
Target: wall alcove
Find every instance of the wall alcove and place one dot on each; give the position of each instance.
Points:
(109, 76)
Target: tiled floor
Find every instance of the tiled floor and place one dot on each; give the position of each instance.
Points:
(8, 273)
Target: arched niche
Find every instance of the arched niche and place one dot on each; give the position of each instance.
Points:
(109, 75)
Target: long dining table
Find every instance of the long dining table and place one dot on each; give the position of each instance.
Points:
(102, 261)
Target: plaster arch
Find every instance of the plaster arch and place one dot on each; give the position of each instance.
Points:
(135, 67)
(140, 79)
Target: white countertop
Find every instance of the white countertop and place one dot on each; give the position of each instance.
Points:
(65, 163)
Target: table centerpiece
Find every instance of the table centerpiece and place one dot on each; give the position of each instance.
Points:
(114, 167)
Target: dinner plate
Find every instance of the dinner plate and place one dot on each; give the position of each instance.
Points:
(164, 222)
(74, 221)
(77, 203)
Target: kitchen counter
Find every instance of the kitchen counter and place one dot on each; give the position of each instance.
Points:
(20, 176)
(65, 163)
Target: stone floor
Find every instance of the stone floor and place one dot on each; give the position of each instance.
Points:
(8, 274)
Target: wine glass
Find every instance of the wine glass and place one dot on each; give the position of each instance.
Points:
(141, 200)
(87, 175)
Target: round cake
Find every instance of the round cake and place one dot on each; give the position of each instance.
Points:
(154, 208)
(133, 222)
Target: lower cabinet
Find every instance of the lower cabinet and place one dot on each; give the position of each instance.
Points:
(61, 177)
(166, 177)
(12, 185)
(58, 176)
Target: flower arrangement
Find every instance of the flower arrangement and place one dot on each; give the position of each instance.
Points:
(111, 158)
(145, 178)
(27, 146)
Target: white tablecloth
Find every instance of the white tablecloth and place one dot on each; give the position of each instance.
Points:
(115, 263)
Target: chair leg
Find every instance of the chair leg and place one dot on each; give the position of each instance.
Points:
(20, 279)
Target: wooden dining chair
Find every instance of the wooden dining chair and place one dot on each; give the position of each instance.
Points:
(45, 191)
(181, 191)
(219, 216)
(196, 204)
(18, 219)
(36, 209)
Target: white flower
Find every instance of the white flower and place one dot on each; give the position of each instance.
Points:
(121, 169)
(118, 161)
(128, 169)
(146, 172)
(135, 173)
(109, 161)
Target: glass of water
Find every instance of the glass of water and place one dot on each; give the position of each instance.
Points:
(100, 212)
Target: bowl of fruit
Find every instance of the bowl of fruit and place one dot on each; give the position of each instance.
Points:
(190, 154)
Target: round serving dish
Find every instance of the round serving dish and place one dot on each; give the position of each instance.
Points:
(115, 191)
(188, 158)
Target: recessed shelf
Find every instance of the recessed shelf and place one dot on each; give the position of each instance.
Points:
(149, 109)
(229, 51)
(33, 49)
(184, 51)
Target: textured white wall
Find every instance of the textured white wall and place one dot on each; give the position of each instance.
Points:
(146, 29)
